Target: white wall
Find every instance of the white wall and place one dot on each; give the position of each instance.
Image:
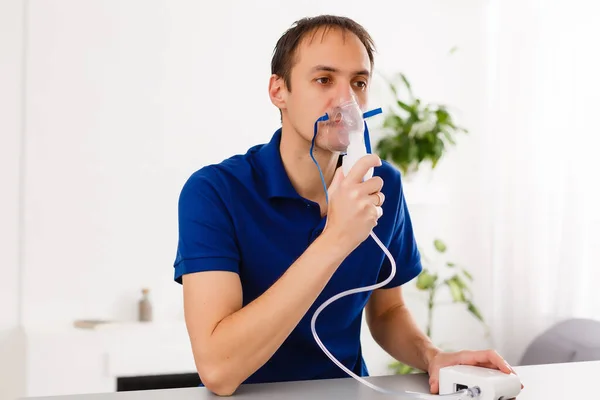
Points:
(11, 21)
(124, 99)
(11, 72)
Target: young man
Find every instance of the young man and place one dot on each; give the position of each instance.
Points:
(260, 248)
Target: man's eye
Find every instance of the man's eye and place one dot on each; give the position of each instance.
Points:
(323, 81)
(361, 84)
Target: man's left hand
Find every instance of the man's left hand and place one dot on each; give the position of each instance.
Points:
(482, 358)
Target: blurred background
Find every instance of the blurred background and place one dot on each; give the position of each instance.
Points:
(107, 107)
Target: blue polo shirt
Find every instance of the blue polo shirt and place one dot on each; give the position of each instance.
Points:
(244, 216)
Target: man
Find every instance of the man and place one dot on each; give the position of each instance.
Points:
(260, 247)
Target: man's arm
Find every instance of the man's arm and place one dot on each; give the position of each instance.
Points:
(395, 330)
(230, 342)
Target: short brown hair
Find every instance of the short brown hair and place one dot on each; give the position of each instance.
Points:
(283, 55)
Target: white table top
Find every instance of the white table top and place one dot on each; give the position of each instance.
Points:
(542, 382)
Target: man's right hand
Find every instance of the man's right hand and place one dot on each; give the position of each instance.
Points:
(354, 206)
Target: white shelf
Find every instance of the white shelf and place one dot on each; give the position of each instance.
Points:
(69, 360)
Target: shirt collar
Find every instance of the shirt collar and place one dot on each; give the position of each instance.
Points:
(277, 182)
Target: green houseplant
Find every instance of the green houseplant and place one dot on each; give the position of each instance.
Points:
(445, 276)
(413, 131)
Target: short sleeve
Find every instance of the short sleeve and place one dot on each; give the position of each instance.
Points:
(403, 248)
(206, 239)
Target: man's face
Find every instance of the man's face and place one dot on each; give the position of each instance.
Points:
(330, 69)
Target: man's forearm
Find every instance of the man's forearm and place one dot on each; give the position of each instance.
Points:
(398, 334)
(242, 342)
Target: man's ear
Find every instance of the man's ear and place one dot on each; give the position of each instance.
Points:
(278, 91)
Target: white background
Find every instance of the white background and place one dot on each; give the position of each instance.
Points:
(108, 106)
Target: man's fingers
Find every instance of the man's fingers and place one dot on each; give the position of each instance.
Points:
(500, 362)
(434, 382)
(377, 199)
(358, 170)
(486, 357)
(372, 185)
(488, 365)
(338, 177)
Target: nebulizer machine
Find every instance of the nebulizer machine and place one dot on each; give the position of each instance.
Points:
(345, 130)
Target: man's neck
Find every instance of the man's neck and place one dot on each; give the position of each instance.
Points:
(301, 169)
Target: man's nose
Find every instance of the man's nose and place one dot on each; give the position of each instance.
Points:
(345, 93)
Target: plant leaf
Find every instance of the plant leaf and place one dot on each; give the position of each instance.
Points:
(409, 109)
(442, 116)
(393, 122)
(439, 245)
(393, 89)
(451, 264)
(467, 274)
(455, 290)
(449, 137)
(426, 280)
(405, 80)
(462, 285)
(473, 310)
(459, 282)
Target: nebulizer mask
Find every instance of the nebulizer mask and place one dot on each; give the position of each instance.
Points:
(344, 130)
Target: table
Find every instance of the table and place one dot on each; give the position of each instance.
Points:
(542, 382)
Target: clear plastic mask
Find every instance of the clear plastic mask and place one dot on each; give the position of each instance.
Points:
(344, 125)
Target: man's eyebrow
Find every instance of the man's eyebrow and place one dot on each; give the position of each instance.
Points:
(335, 70)
(325, 68)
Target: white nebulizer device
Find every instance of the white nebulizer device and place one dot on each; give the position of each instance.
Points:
(344, 130)
(350, 117)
